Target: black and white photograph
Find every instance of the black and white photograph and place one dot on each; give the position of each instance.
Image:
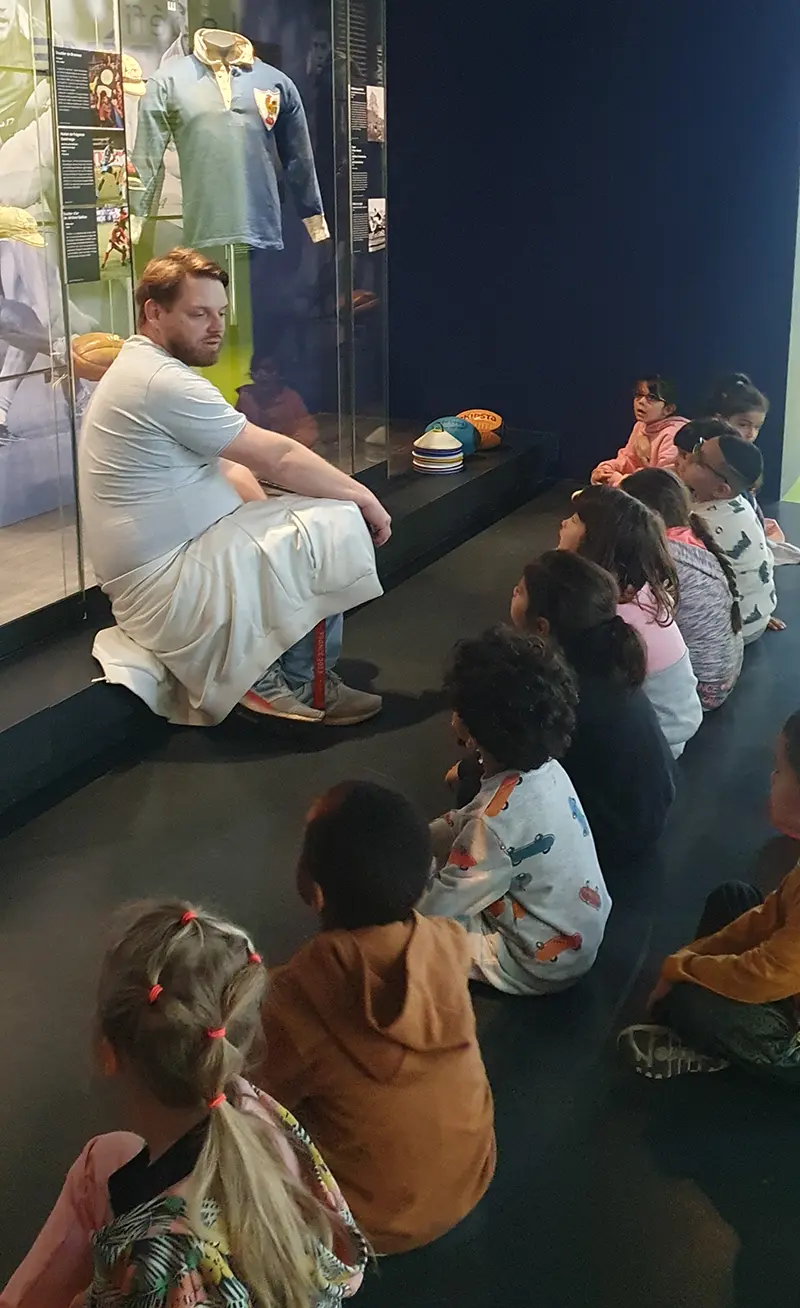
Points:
(376, 211)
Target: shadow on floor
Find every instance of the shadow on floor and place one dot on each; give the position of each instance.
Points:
(738, 1141)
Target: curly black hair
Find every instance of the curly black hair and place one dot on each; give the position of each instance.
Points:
(515, 695)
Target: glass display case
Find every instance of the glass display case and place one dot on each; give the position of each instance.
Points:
(253, 130)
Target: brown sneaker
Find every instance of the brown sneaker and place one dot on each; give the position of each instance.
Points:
(345, 707)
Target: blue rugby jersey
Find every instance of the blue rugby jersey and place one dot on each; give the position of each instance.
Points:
(233, 129)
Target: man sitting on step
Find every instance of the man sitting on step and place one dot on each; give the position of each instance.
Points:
(218, 589)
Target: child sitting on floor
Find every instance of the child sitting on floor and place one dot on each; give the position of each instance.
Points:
(518, 866)
(370, 1032)
(627, 539)
(736, 401)
(720, 469)
(708, 611)
(225, 1200)
(732, 995)
(740, 404)
(651, 443)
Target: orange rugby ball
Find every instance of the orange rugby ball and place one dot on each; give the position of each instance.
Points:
(488, 425)
(93, 354)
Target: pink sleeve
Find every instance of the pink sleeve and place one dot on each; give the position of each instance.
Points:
(611, 471)
(664, 452)
(59, 1266)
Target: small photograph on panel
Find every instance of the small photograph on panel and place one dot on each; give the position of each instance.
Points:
(108, 154)
(114, 241)
(105, 90)
(376, 210)
(376, 113)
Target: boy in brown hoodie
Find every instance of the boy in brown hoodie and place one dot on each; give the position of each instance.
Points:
(370, 1031)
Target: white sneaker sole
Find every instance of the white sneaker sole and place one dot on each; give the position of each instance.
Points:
(657, 1053)
(256, 708)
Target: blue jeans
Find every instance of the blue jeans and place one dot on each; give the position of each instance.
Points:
(296, 666)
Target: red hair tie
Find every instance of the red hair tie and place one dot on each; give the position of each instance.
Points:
(218, 1102)
(217, 1033)
(155, 991)
(253, 957)
(189, 916)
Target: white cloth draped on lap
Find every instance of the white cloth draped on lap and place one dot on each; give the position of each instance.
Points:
(197, 627)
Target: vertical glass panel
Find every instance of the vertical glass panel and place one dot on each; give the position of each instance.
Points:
(363, 219)
(39, 560)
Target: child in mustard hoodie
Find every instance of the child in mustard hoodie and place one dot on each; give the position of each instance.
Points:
(370, 1030)
(732, 996)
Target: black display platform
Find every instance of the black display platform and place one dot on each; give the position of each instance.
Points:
(59, 725)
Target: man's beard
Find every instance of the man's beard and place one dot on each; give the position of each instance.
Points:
(194, 356)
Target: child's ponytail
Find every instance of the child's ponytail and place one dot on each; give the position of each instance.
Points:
(274, 1217)
(616, 650)
(700, 529)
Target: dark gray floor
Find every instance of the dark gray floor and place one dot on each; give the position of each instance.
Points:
(609, 1191)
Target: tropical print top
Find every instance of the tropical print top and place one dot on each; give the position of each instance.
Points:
(150, 1256)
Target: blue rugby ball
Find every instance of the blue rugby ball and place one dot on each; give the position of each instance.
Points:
(463, 431)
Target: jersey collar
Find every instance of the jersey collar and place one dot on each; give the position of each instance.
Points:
(242, 56)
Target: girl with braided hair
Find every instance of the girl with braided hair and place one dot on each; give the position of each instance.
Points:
(217, 1196)
(708, 611)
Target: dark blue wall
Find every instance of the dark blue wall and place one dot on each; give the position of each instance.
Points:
(583, 191)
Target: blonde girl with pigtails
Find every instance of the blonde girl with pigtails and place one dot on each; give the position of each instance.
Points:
(215, 1196)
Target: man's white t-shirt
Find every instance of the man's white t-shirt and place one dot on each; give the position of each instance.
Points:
(148, 459)
(739, 534)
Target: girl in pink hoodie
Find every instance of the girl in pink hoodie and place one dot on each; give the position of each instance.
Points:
(651, 444)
